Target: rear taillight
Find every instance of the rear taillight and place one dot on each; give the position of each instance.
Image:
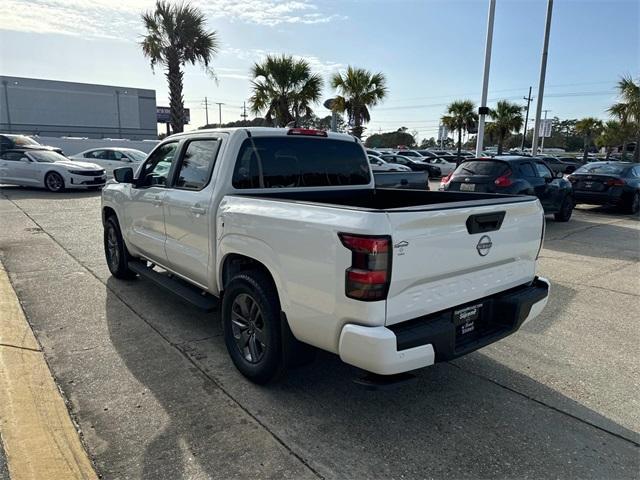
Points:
(503, 180)
(369, 275)
(615, 182)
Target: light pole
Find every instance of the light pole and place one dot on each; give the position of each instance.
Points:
(543, 72)
(483, 110)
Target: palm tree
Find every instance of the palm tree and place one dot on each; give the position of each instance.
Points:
(358, 90)
(627, 110)
(284, 88)
(506, 117)
(461, 116)
(611, 136)
(588, 127)
(176, 35)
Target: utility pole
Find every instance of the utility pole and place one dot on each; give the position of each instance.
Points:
(545, 121)
(219, 113)
(483, 110)
(244, 111)
(206, 110)
(543, 72)
(528, 98)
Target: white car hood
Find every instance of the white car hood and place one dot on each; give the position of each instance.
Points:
(70, 164)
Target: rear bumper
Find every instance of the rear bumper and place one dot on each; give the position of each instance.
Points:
(594, 198)
(426, 340)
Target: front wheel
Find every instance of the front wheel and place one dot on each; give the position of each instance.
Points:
(54, 182)
(251, 326)
(115, 250)
(566, 209)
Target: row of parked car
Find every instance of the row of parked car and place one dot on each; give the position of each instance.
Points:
(597, 183)
(23, 161)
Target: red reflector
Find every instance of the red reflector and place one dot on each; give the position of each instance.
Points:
(615, 182)
(365, 244)
(503, 180)
(447, 179)
(367, 276)
(311, 132)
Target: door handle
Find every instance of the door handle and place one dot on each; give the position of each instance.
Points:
(198, 210)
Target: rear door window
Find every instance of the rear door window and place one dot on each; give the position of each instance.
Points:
(526, 169)
(483, 167)
(295, 162)
(543, 170)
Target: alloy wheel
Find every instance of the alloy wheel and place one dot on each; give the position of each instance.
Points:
(248, 328)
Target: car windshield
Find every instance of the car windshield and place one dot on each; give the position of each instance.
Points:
(481, 167)
(137, 155)
(290, 162)
(601, 169)
(21, 140)
(46, 156)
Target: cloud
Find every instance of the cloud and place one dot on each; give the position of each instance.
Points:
(120, 19)
(323, 67)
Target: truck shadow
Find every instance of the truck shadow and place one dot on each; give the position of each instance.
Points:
(456, 419)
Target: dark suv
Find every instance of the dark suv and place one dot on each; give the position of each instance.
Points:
(514, 175)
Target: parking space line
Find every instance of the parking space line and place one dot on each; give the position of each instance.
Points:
(39, 438)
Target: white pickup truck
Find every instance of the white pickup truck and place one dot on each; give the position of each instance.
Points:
(287, 229)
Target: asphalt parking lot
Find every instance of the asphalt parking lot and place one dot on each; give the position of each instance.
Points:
(150, 386)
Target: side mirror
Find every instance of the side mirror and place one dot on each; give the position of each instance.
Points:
(123, 175)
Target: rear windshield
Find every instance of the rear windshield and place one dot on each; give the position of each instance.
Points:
(601, 169)
(21, 140)
(290, 162)
(481, 167)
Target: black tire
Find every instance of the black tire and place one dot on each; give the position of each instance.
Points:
(54, 182)
(115, 251)
(634, 205)
(253, 337)
(566, 209)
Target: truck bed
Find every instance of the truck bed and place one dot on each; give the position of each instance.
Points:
(384, 199)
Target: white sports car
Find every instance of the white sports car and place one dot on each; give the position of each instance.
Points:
(44, 168)
(111, 158)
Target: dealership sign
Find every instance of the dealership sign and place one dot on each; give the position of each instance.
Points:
(163, 115)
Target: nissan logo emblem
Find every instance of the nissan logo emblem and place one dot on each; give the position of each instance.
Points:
(484, 245)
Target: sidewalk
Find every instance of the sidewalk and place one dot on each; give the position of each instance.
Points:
(38, 436)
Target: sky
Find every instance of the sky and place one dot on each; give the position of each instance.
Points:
(431, 52)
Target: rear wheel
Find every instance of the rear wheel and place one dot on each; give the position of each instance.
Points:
(54, 182)
(566, 209)
(115, 250)
(634, 205)
(251, 326)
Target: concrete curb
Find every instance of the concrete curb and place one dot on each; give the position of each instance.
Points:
(40, 440)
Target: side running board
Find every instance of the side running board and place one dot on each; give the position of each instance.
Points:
(176, 286)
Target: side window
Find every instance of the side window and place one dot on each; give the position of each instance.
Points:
(156, 169)
(543, 170)
(12, 156)
(527, 170)
(197, 164)
(636, 171)
(93, 154)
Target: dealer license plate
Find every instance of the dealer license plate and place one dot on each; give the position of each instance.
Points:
(467, 187)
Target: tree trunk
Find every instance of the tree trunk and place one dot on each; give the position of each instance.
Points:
(357, 120)
(586, 146)
(459, 144)
(176, 102)
(636, 150)
(623, 155)
(500, 140)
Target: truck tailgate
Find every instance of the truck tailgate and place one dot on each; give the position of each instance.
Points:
(445, 258)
